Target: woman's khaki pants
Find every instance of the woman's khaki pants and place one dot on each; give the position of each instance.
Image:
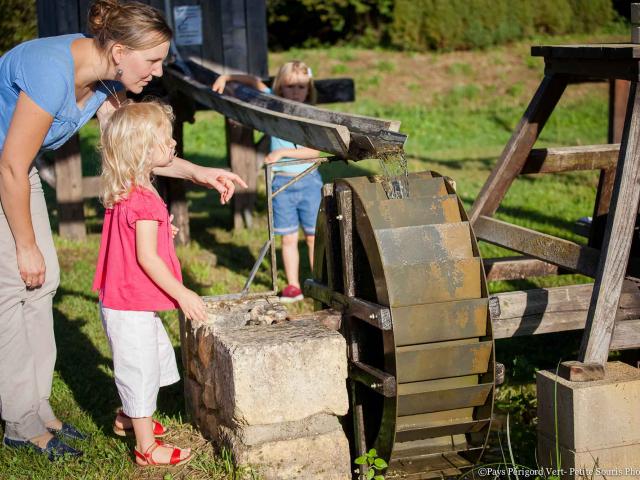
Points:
(27, 345)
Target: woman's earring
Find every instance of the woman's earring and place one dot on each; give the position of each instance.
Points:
(119, 72)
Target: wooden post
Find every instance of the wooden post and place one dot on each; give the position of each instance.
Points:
(173, 189)
(515, 153)
(345, 216)
(618, 98)
(617, 241)
(68, 168)
(242, 160)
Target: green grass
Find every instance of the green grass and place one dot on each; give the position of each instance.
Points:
(459, 134)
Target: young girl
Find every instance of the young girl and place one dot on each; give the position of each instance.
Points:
(138, 273)
(299, 203)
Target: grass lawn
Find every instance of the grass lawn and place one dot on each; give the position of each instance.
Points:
(458, 110)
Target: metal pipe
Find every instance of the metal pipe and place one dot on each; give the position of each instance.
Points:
(254, 270)
(316, 164)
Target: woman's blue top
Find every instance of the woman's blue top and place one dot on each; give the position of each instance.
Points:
(43, 69)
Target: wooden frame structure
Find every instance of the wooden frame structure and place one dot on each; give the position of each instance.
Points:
(608, 263)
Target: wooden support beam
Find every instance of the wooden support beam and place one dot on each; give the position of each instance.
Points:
(330, 138)
(516, 152)
(570, 159)
(242, 160)
(516, 268)
(377, 315)
(375, 379)
(617, 240)
(47, 171)
(359, 123)
(558, 309)
(618, 99)
(556, 251)
(68, 172)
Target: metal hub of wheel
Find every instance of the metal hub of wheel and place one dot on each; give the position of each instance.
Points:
(408, 277)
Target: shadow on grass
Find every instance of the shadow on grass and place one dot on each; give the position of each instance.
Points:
(83, 367)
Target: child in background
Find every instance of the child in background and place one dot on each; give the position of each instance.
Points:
(299, 203)
(138, 273)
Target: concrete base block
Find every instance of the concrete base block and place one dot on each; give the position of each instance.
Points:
(280, 373)
(621, 462)
(324, 456)
(597, 422)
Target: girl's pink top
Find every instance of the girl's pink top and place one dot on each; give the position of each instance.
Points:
(122, 282)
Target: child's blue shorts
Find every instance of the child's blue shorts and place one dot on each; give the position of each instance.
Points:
(297, 205)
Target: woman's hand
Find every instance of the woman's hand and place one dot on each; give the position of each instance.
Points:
(220, 83)
(31, 266)
(222, 180)
(192, 305)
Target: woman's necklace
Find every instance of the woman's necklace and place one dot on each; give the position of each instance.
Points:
(113, 92)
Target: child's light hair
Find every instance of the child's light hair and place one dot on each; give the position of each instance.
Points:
(126, 145)
(295, 68)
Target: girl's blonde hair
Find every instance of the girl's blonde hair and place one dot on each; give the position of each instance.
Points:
(126, 145)
(295, 68)
(133, 24)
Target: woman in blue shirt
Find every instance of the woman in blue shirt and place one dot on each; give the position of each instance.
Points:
(49, 88)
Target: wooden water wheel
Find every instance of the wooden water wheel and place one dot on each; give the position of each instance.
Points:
(408, 277)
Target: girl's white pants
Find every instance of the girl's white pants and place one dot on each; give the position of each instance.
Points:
(143, 358)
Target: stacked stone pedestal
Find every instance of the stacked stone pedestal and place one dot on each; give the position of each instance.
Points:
(272, 394)
(598, 424)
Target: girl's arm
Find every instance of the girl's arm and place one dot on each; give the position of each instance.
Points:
(147, 254)
(301, 153)
(250, 80)
(222, 180)
(27, 131)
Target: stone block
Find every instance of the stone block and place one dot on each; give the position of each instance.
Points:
(205, 345)
(635, 34)
(622, 462)
(209, 395)
(192, 395)
(280, 373)
(251, 435)
(208, 424)
(324, 456)
(591, 415)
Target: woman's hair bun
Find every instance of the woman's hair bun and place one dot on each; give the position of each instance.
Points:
(99, 14)
(133, 24)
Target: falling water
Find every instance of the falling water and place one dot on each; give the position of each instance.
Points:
(395, 176)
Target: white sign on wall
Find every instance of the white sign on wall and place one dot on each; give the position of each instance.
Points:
(188, 24)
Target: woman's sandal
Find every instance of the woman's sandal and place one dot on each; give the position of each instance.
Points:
(147, 457)
(159, 430)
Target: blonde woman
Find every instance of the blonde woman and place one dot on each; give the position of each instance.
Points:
(49, 88)
(138, 273)
(298, 204)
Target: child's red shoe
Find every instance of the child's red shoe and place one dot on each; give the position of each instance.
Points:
(291, 294)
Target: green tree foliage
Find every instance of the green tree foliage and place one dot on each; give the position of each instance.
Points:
(462, 24)
(17, 22)
(314, 22)
(428, 24)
